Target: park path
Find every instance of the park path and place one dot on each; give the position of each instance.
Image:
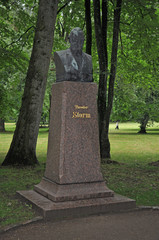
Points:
(136, 225)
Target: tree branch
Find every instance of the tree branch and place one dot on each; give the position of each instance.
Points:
(122, 49)
(19, 37)
(63, 6)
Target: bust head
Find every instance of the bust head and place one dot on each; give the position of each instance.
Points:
(76, 39)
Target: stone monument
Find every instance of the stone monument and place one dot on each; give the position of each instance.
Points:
(73, 184)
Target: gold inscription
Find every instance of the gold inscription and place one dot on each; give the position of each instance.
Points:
(81, 107)
(81, 115)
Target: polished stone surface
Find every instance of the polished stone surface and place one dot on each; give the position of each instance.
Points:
(73, 145)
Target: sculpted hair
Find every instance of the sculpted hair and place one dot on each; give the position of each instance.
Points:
(76, 32)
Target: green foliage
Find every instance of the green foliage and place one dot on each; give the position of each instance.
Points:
(46, 106)
(70, 15)
(137, 86)
(17, 20)
(11, 90)
(138, 60)
(133, 101)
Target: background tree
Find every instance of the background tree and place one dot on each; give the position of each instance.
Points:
(135, 103)
(138, 41)
(17, 28)
(136, 88)
(23, 147)
(106, 89)
(88, 27)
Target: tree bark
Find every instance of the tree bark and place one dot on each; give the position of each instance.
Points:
(117, 13)
(104, 28)
(23, 147)
(105, 100)
(2, 126)
(101, 39)
(143, 123)
(88, 27)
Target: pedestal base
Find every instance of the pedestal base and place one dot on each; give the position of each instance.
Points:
(64, 210)
(71, 192)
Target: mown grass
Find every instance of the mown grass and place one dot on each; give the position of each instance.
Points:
(133, 177)
(12, 179)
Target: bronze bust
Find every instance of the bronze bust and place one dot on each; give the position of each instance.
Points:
(73, 64)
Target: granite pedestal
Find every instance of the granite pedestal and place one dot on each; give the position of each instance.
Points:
(73, 184)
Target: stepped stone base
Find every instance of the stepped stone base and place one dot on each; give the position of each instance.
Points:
(69, 209)
(70, 192)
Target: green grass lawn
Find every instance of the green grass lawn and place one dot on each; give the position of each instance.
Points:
(133, 177)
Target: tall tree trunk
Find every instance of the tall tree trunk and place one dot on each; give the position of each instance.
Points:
(105, 100)
(143, 123)
(23, 147)
(105, 144)
(117, 13)
(101, 39)
(2, 126)
(113, 69)
(88, 27)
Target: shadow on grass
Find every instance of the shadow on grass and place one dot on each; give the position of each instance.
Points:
(11, 131)
(149, 133)
(7, 132)
(153, 130)
(42, 133)
(123, 133)
(124, 130)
